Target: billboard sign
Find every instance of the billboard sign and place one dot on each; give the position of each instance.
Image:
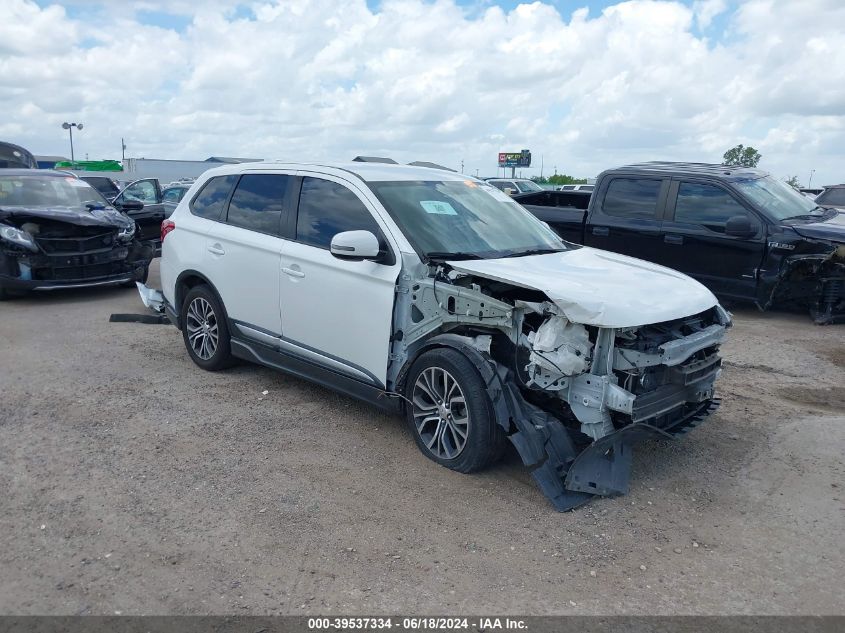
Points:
(515, 159)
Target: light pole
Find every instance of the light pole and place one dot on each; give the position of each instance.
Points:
(69, 127)
(809, 184)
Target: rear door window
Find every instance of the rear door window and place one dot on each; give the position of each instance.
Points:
(327, 208)
(632, 197)
(706, 205)
(209, 202)
(258, 203)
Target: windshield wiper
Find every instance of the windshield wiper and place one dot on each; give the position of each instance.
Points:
(535, 251)
(453, 255)
(805, 216)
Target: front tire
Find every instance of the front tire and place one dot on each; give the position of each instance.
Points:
(450, 414)
(205, 331)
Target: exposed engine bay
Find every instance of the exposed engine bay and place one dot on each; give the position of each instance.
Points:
(572, 397)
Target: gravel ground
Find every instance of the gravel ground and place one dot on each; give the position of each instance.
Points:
(133, 482)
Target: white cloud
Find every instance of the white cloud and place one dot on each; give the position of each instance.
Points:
(706, 10)
(433, 81)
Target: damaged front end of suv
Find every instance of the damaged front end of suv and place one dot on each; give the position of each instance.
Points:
(574, 381)
(57, 232)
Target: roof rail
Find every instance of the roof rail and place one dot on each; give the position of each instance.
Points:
(423, 163)
(374, 159)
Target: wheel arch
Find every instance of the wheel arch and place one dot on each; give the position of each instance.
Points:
(187, 280)
(483, 363)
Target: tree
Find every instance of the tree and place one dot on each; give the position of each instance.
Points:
(792, 181)
(563, 179)
(742, 156)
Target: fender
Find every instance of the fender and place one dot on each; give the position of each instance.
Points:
(541, 440)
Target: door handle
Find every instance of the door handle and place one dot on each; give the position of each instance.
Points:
(216, 249)
(673, 239)
(601, 230)
(293, 272)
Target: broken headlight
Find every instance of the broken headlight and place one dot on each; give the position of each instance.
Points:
(126, 233)
(17, 237)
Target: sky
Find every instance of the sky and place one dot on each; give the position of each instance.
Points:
(584, 85)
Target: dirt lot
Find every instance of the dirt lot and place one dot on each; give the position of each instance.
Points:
(133, 482)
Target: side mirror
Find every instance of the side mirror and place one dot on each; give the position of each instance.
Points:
(129, 205)
(510, 191)
(355, 245)
(739, 226)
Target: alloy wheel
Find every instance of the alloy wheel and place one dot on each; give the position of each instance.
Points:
(201, 323)
(440, 413)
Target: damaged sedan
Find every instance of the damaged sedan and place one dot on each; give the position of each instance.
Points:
(437, 296)
(56, 231)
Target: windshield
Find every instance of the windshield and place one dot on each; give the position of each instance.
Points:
(832, 196)
(528, 185)
(463, 217)
(779, 200)
(46, 191)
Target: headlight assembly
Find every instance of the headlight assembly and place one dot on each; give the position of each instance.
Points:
(17, 237)
(127, 233)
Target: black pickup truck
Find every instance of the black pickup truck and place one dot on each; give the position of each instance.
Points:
(740, 232)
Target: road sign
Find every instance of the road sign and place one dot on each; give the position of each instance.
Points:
(515, 159)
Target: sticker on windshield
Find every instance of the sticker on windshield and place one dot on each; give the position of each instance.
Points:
(438, 207)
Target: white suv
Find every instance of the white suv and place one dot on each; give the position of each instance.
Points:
(434, 294)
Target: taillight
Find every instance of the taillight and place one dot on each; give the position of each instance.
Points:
(166, 227)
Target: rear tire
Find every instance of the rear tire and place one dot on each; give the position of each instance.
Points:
(450, 414)
(205, 330)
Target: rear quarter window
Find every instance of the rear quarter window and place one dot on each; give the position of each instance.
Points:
(211, 199)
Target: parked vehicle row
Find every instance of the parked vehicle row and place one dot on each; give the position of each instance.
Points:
(740, 232)
(436, 295)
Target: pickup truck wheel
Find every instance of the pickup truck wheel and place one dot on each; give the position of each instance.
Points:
(205, 332)
(450, 414)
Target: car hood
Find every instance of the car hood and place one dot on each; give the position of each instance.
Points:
(600, 288)
(72, 215)
(832, 228)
